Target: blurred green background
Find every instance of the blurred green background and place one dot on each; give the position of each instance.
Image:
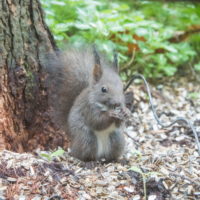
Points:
(156, 38)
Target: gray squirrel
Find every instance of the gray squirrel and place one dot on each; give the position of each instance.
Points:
(86, 89)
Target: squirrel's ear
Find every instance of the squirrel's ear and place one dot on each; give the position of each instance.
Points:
(115, 61)
(96, 55)
(97, 71)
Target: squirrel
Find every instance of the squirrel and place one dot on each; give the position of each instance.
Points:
(86, 89)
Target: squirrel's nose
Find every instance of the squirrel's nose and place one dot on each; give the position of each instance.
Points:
(112, 103)
(116, 105)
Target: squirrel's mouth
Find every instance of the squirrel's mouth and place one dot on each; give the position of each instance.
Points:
(104, 107)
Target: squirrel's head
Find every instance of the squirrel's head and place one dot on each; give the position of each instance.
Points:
(106, 87)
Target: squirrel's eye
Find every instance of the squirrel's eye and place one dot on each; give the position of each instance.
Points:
(104, 90)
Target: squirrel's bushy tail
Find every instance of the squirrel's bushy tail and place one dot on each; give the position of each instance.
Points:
(67, 75)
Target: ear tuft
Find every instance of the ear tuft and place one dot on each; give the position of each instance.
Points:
(115, 62)
(96, 55)
(97, 72)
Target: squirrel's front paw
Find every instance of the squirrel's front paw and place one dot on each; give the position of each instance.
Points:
(120, 113)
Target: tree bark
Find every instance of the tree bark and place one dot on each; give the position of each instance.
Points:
(24, 40)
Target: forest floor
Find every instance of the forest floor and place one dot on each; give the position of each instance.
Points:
(158, 163)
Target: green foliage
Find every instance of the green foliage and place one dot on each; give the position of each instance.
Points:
(139, 28)
(197, 67)
(145, 176)
(194, 95)
(50, 156)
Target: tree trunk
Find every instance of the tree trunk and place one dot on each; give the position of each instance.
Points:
(24, 40)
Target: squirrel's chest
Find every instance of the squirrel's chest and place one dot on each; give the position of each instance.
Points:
(103, 141)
